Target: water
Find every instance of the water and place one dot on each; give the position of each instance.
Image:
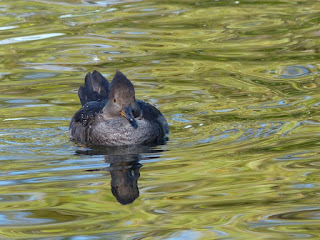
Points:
(238, 82)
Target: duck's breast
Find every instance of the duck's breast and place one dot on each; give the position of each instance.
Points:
(118, 131)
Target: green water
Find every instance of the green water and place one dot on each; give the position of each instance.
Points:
(238, 83)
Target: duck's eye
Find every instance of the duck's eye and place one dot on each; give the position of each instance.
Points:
(114, 100)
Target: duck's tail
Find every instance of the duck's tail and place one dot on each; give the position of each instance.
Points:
(95, 88)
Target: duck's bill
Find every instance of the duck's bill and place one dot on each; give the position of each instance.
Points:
(127, 113)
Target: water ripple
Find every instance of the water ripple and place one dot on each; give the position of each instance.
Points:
(297, 71)
(29, 38)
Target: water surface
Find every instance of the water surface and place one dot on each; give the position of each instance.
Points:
(238, 82)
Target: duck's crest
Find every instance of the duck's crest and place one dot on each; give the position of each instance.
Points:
(121, 85)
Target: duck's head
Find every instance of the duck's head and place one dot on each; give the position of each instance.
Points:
(122, 100)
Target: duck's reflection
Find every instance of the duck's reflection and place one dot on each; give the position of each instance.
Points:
(124, 169)
(124, 180)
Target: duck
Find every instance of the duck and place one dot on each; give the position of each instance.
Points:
(112, 116)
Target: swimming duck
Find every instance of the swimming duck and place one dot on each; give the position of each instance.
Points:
(111, 115)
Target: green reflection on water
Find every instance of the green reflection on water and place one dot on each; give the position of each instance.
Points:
(238, 82)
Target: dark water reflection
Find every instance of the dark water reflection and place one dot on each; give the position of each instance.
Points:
(124, 181)
(124, 169)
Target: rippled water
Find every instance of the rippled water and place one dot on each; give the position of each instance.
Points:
(238, 82)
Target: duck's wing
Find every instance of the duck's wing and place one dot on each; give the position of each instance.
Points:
(81, 122)
(88, 112)
(152, 114)
(95, 88)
